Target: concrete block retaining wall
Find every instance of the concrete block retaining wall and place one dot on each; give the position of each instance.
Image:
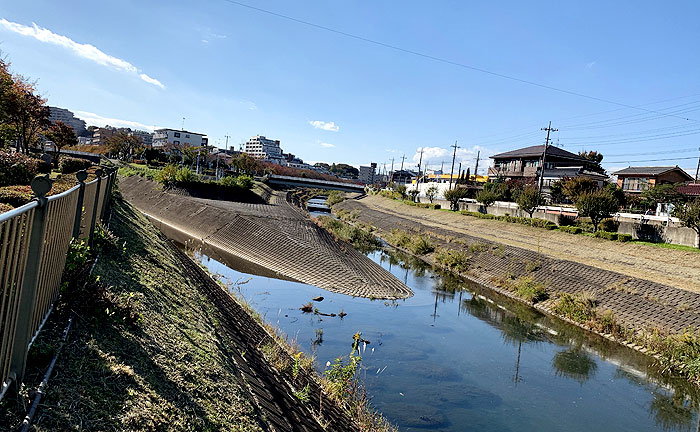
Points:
(649, 230)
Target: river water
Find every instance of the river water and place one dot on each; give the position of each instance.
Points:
(458, 357)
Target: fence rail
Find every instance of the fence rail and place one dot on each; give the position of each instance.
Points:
(34, 242)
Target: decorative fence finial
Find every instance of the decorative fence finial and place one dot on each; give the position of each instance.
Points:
(41, 185)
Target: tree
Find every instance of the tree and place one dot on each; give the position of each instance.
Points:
(124, 144)
(689, 215)
(413, 193)
(597, 205)
(431, 193)
(616, 192)
(25, 111)
(663, 193)
(468, 176)
(575, 186)
(345, 170)
(61, 135)
(454, 195)
(487, 197)
(595, 158)
(529, 199)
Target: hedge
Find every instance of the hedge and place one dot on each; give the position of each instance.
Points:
(605, 235)
(571, 229)
(423, 205)
(5, 208)
(624, 237)
(69, 165)
(20, 169)
(15, 196)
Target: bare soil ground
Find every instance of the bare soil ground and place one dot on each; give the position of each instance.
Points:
(676, 268)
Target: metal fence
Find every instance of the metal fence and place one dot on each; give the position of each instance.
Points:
(34, 241)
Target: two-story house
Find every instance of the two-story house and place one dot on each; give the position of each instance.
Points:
(525, 163)
(636, 180)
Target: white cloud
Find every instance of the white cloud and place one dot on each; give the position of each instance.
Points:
(327, 145)
(150, 80)
(93, 119)
(590, 65)
(328, 126)
(86, 51)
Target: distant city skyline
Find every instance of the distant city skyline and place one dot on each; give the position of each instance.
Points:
(358, 83)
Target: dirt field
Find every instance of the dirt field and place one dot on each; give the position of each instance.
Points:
(667, 266)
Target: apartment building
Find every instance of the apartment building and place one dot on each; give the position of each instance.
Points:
(179, 138)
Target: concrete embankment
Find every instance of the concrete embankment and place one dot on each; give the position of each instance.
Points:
(634, 300)
(269, 237)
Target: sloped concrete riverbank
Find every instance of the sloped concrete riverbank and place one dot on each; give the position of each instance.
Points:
(272, 236)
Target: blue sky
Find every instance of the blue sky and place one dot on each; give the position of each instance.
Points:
(231, 70)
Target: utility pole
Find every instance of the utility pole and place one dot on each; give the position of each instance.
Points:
(183, 124)
(544, 154)
(391, 174)
(697, 170)
(403, 158)
(454, 155)
(420, 161)
(476, 168)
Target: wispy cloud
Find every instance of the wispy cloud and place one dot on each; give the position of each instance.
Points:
(328, 126)
(590, 65)
(86, 51)
(327, 145)
(93, 119)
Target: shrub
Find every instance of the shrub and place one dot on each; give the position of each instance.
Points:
(571, 229)
(452, 259)
(606, 235)
(579, 308)
(69, 165)
(486, 197)
(244, 181)
(15, 196)
(421, 245)
(624, 238)
(5, 207)
(542, 223)
(334, 197)
(528, 289)
(19, 169)
(359, 238)
(454, 195)
(609, 224)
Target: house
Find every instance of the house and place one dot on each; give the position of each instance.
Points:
(636, 180)
(402, 176)
(525, 163)
(178, 138)
(691, 190)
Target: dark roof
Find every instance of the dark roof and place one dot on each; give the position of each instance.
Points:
(573, 172)
(537, 151)
(651, 171)
(690, 189)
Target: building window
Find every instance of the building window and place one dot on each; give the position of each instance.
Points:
(635, 184)
(177, 134)
(176, 142)
(187, 136)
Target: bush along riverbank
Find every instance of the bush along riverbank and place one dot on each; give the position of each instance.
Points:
(526, 280)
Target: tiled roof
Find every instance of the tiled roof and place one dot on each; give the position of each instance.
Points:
(690, 189)
(537, 151)
(651, 171)
(572, 172)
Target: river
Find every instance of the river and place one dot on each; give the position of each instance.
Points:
(458, 357)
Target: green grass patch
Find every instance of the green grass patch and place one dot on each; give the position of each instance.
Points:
(358, 237)
(418, 244)
(452, 259)
(529, 290)
(668, 246)
(579, 308)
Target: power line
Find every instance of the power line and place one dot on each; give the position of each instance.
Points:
(443, 60)
(651, 160)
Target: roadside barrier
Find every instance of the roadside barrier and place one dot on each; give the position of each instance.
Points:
(34, 241)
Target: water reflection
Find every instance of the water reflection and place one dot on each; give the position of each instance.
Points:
(461, 357)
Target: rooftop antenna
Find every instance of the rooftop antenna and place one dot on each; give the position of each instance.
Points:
(183, 124)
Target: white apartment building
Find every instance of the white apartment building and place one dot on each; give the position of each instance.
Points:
(368, 174)
(67, 117)
(180, 138)
(146, 137)
(260, 147)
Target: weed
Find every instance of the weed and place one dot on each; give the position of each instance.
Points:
(303, 394)
(528, 289)
(532, 266)
(579, 308)
(452, 259)
(477, 247)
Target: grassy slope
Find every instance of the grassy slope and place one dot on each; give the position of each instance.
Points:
(151, 358)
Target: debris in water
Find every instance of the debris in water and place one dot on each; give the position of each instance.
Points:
(318, 299)
(307, 308)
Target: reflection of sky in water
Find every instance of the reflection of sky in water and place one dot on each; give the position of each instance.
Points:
(454, 357)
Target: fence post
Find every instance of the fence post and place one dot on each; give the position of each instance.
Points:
(108, 192)
(40, 186)
(81, 175)
(98, 173)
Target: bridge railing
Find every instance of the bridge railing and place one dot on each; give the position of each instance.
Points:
(34, 242)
